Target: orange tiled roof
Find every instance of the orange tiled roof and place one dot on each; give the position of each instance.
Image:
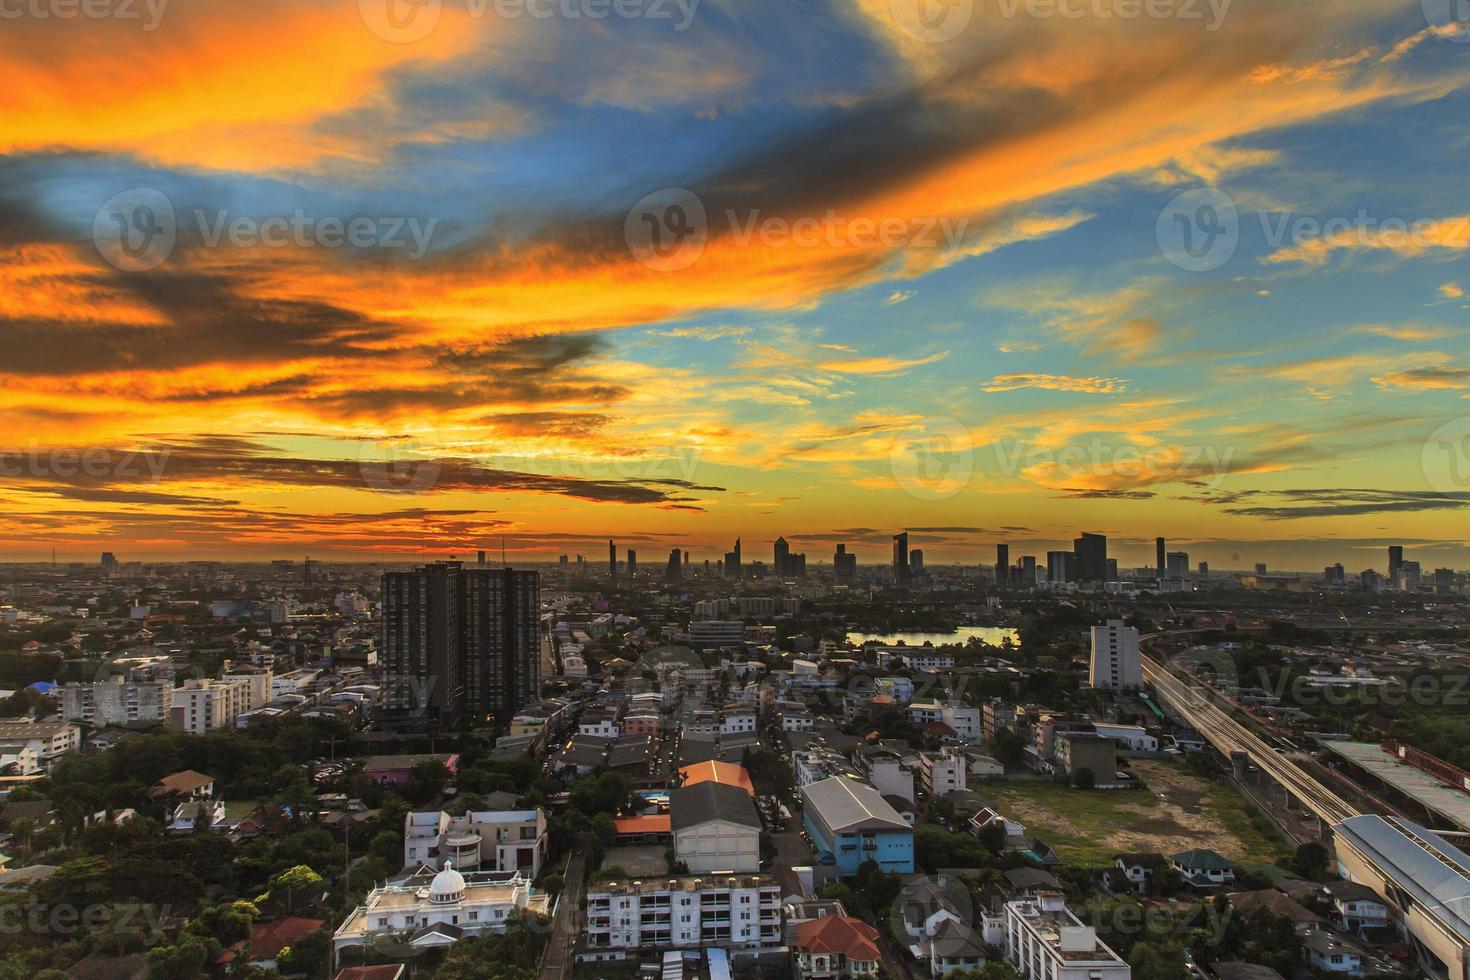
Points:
(717, 772)
(838, 934)
(651, 823)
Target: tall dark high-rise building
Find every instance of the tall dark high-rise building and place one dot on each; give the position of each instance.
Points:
(674, 569)
(781, 558)
(459, 643)
(499, 610)
(1204, 569)
(1176, 564)
(901, 557)
(423, 665)
(1028, 571)
(612, 559)
(1395, 559)
(1091, 551)
(1161, 556)
(1002, 566)
(632, 563)
(1260, 569)
(109, 563)
(733, 568)
(1059, 567)
(844, 566)
(916, 562)
(306, 572)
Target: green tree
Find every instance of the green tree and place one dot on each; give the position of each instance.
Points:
(182, 962)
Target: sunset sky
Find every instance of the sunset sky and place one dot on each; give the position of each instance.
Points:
(923, 281)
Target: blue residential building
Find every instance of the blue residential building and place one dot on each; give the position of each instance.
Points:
(850, 823)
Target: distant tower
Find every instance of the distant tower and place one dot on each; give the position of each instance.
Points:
(612, 559)
(901, 557)
(632, 563)
(1002, 565)
(1161, 556)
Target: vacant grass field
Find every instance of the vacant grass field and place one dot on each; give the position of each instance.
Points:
(1176, 812)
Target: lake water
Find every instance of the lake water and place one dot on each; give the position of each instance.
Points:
(993, 635)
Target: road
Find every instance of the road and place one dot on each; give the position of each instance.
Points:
(1197, 704)
(557, 963)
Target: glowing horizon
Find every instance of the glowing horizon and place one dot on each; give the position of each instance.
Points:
(373, 280)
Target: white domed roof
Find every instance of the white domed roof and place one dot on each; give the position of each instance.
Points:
(447, 886)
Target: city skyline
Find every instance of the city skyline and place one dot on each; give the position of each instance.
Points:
(746, 266)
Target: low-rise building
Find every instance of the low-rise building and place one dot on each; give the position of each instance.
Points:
(941, 772)
(46, 740)
(736, 911)
(1044, 940)
(431, 909)
(836, 947)
(716, 828)
(850, 823)
(481, 840)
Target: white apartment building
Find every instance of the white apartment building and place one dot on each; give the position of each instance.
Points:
(1135, 738)
(925, 712)
(486, 840)
(717, 633)
(202, 705)
(1116, 664)
(48, 740)
(1044, 940)
(116, 702)
(797, 720)
(926, 659)
(966, 720)
(941, 772)
(731, 911)
(889, 775)
(737, 721)
(260, 685)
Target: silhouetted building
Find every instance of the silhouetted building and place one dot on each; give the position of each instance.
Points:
(1059, 567)
(1160, 556)
(1002, 566)
(844, 566)
(1091, 555)
(459, 641)
(901, 557)
(632, 563)
(674, 570)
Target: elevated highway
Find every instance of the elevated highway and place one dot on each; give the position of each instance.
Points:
(1199, 704)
